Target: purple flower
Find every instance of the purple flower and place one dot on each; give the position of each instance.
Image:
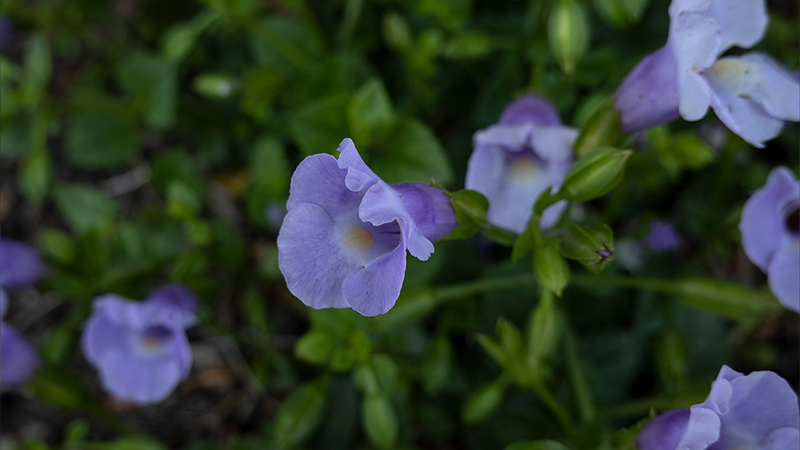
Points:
(18, 359)
(771, 234)
(518, 158)
(758, 411)
(751, 94)
(662, 236)
(140, 348)
(20, 265)
(343, 241)
(5, 31)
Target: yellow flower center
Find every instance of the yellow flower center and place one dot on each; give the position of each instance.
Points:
(357, 238)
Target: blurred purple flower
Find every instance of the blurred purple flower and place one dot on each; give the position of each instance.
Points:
(343, 241)
(662, 236)
(18, 359)
(20, 265)
(770, 229)
(140, 348)
(758, 411)
(518, 158)
(5, 31)
(751, 94)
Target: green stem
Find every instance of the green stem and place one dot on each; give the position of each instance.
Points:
(551, 402)
(580, 386)
(352, 10)
(487, 284)
(651, 284)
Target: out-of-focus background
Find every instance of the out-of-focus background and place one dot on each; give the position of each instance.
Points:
(144, 142)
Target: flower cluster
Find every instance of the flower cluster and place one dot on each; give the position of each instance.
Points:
(526, 152)
(756, 411)
(140, 348)
(343, 241)
(20, 267)
(751, 94)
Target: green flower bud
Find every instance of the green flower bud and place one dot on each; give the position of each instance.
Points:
(595, 173)
(568, 33)
(550, 269)
(593, 247)
(601, 128)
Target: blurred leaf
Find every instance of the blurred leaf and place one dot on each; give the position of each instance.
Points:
(136, 443)
(57, 387)
(467, 46)
(396, 33)
(59, 344)
(270, 177)
(379, 420)
(100, 141)
(369, 111)
(183, 203)
(215, 85)
(436, 364)
(319, 127)
(543, 331)
(36, 175)
(550, 268)
(568, 33)
(38, 59)
(56, 244)
(411, 153)
(84, 207)
(315, 346)
(285, 43)
(545, 444)
(300, 414)
(484, 401)
(179, 40)
(153, 81)
(15, 137)
(725, 298)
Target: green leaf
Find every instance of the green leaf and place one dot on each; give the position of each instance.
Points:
(724, 298)
(484, 401)
(35, 176)
(379, 420)
(396, 33)
(38, 59)
(545, 444)
(100, 141)
(465, 46)
(315, 346)
(436, 364)
(183, 203)
(153, 81)
(369, 111)
(84, 207)
(542, 331)
(319, 127)
(300, 414)
(549, 267)
(411, 153)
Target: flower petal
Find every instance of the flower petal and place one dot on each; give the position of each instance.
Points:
(787, 437)
(18, 358)
(695, 41)
(429, 208)
(664, 431)
(513, 138)
(319, 180)
(701, 430)
(530, 108)
(20, 264)
(3, 302)
(359, 176)
(648, 96)
(310, 259)
(554, 144)
(761, 224)
(102, 335)
(139, 379)
(484, 170)
(375, 288)
(742, 22)
(784, 280)
(770, 86)
(178, 297)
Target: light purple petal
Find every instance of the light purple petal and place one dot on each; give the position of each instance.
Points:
(178, 297)
(20, 264)
(139, 379)
(513, 138)
(18, 359)
(695, 41)
(648, 96)
(554, 144)
(319, 180)
(429, 207)
(485, 170)
(780, 439)
(742, 22)
(103, 335)
(761, 224)
(530, 108)
(359, 176)
(664, 432)
(374, 289)
(552, 214)
(310, 259)
(3, 303)
(701, 430)
(784, 278)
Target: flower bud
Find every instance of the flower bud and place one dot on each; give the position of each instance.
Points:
(595, 173)
(593, 247)
(568, 33)
(550, 269)
(601, 128)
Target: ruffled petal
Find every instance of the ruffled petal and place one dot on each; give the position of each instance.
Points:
(319, 180)
(769, 85)
(664, 432)
(178, 297)
(701, 430)
(375, 288)
(742, 22)
(20, 264)
(103, 335)
(513, 138)
(648, 96)
(783, 278)
(139, 379)
(787, 437)
(695, 42)
(429, 208)
(761, 224)
(530, 108)
(310, 259)
(359, 176)
(554, 144)
(18, 358)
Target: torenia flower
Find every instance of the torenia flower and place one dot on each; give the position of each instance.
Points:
(518, 158)
(343, 241)
(770, 229)
(20, 267)
(140, 348)
(758, 411)
(751, 94)
(662, 236)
